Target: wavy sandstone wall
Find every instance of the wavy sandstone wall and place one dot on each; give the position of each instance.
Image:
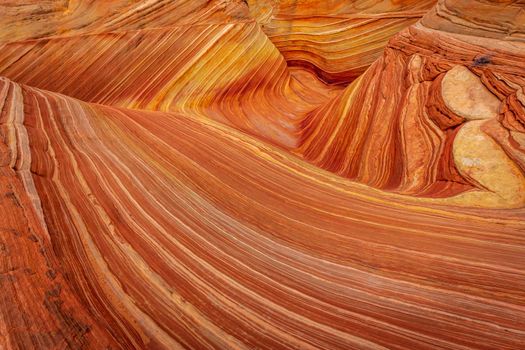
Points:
(262, 174)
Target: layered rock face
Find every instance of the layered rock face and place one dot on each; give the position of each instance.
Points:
(338, 39)
(440, 113)
(262, 174)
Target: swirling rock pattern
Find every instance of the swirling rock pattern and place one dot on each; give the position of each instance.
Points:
(339, 39)
(228, 71)
(29, 19)
(400, 125)
(177, 182)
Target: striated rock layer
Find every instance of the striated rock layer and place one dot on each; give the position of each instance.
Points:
(30, 19)
(220, 175)
(338, 39)
(230, 72)
(173, 232)
(438, 114)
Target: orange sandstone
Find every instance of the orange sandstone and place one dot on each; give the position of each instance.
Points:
(262, 174)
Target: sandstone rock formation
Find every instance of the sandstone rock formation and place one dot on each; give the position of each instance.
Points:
(407, 123)
(337, 39)
(262, 174)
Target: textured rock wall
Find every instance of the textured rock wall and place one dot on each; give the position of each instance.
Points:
(337, 40)
(407, 124)
(219, 174)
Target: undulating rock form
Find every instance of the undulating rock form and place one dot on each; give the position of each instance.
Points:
(177, 232)
(440, 113)
(338, 39)
(229, 72)
(30, 19)
(201, 175)
(502, 19)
